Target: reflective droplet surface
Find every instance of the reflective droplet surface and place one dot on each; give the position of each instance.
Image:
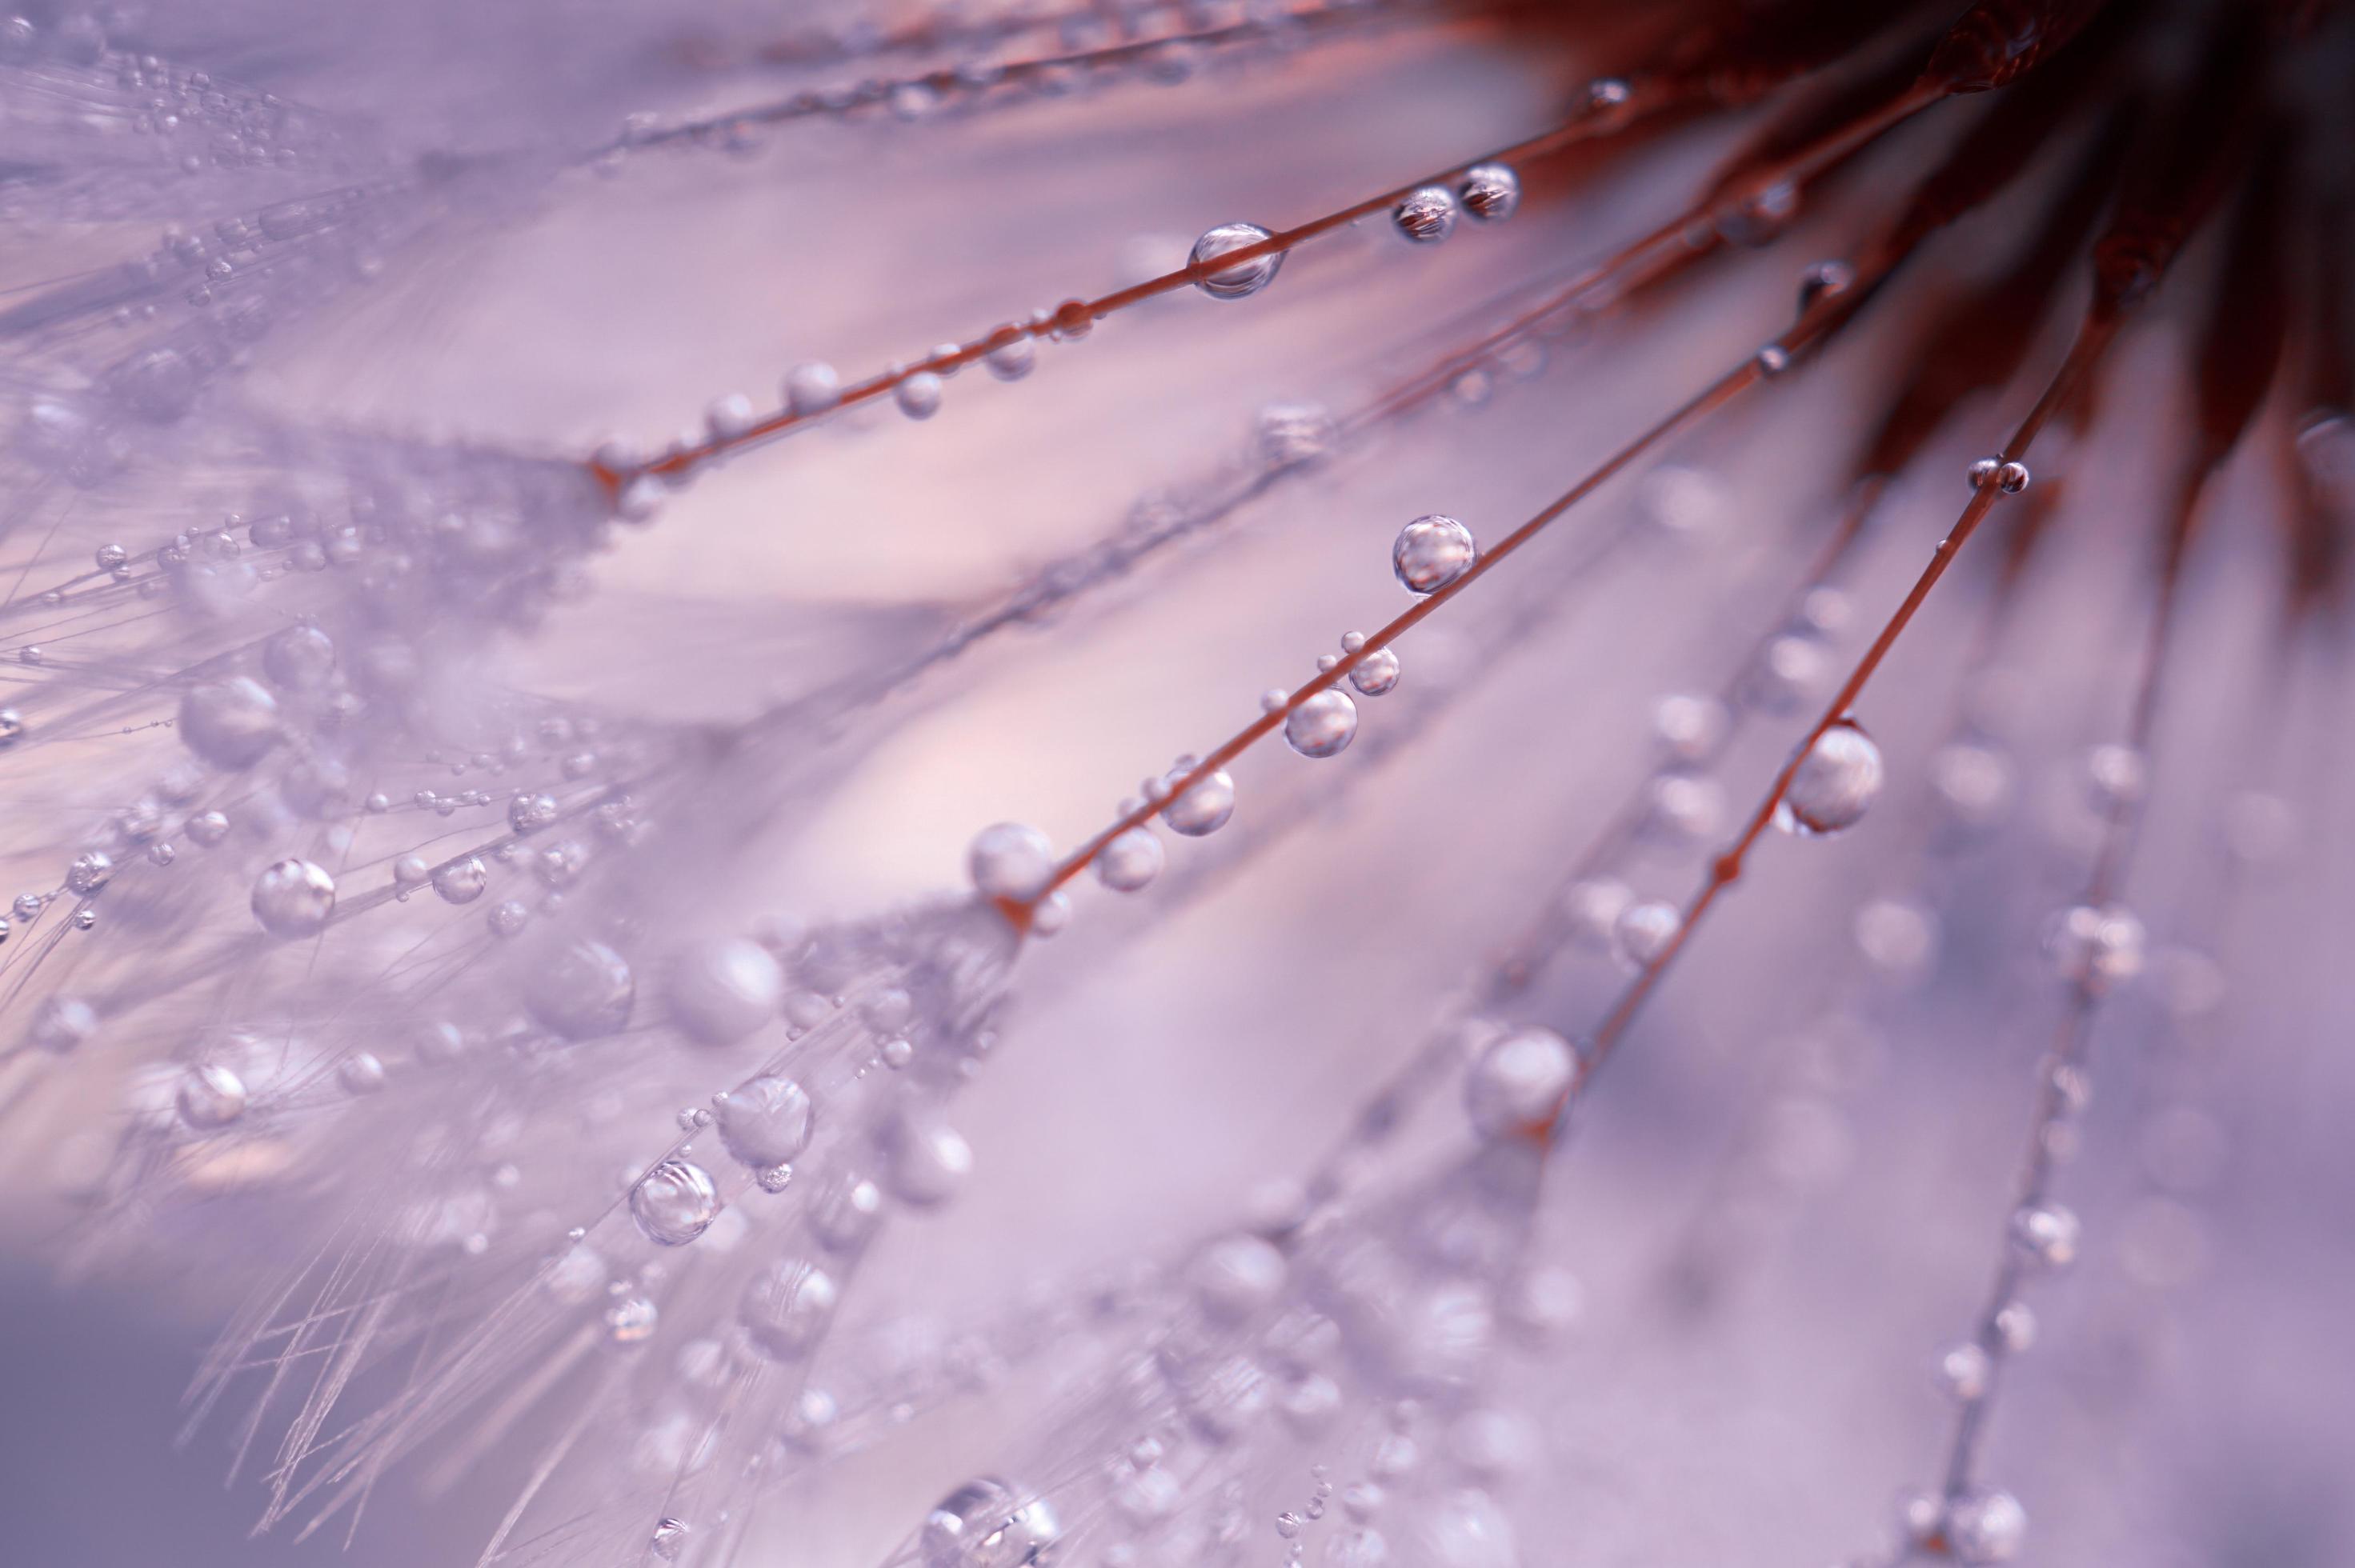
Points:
(1519, 1083)
(919, 396)
(294, 899)
(1643, 931)
(675, 1202)
(230, 724)
(786, 1308)
(722, 989)
(1490, 192)
(210, 1096)
(581, 990)
(1237, 279)
(460, 880)
(1377, 672)
(812, 388)
(1986, 1526)
(927, 1160)
(1132, 860)
(988, 1523)
(1835, 785)
(1433, 552)
(764, 1121)
(1323, 725)
(1427, 216)
(1010, 860)
(2046, 1234)
(1204, 808)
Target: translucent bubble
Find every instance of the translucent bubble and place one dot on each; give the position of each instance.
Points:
(919, 396)
(1794, 672)
(1237, 1275)
(1204, 808)
(529, 812)
(210, 1096)
(1644, 932)
(669, 1539)
(294, 899)
(1986, 1526)
(1294, 435)
(89, 873)
(462, 881)
(1897, 934)
(812, 388)
(1427, 216)
(2047, 1235)
(1836, 783)
(300, 658)
(631, 1320)
(1237, 279)
(1013, 359)
(786, 1308)
(1050, 914)
(1377, 672)
(62, 1023)
(1432, 552)
(206, 828)
(1491, 193)
(229, 723)
(1685, 808)
(581, 990)
(675, 1202)
(987, 1523)
(1682, 500)
(1691, 727)
(926, 1160)
(1973, 783)
(2096, 948)
(1520, 1083)
(361, 1073)
(723, 988)
(764, 1121)
(1011, 861)
(1964, 1371)
(1130, 861)
(1323, 725)
(846, 1212)
(2015, 1327)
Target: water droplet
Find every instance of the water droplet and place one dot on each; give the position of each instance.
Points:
(1964, 1371)
(988, 1523)
(1643, 931)
(675, 1202)
(1009, 860)
(1013, 359)
(1836, 783)
(764, 1121)
(927, 1160)
(1204, 808)
(1433, 552)
(529, 812)
(1377, 672)
(1237, 279)
(786, 1308)
(462, 881)
(360, 1073)
(294, 899)
(581, 990)
(1130, 861)
(669, 1540)
(812, 388)
(1520, 1083)
(1986, 1526)
(722, 989)
(2046, 1234)
(1236, 1276)
(631, 1320)
(300, 658)
(89, 873)
(2096, 948)
(919, 396)
(1323, 725)
(1427, 216)
(229, 723)
(210, 1096)
(1491, 193)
